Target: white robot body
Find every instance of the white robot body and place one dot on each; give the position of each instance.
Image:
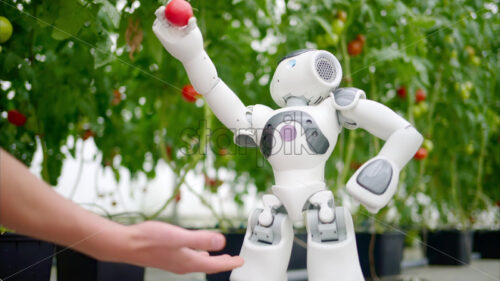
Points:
(297, 140)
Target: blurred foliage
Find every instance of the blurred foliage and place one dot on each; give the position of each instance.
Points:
(86, 68)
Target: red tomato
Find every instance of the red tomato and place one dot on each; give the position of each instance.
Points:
(420, 95)
(117, 97)
(355, 48)
(355, 165)
(211, 182)
(178, 12)
(16, 118)
(87, 134)
(223, 151)
(401, 92)
(361, 38)
(189, 93)
(421, 153)
(168, 150)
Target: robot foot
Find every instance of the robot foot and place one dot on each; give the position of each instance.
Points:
(267, 246)
(331, 242)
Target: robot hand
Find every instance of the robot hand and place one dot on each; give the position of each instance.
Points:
(374, 183)
(184, 43)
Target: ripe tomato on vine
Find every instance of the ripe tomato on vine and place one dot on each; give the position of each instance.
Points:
(189, 93)
(16, 118)
(420, 95)
(355, 48)
(401, 91)
(421, 153)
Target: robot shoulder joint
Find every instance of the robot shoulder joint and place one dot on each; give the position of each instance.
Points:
(345, 99)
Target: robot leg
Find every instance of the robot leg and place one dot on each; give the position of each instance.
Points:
(331, 241)
(267, 245)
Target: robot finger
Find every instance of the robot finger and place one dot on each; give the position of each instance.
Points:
(191, 24)
(160, 13)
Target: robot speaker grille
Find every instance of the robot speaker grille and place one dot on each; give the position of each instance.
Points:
(325, 68)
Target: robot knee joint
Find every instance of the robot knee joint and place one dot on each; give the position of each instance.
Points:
(325, 222)
(265, 224)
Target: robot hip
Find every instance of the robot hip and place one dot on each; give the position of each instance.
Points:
(294, 198)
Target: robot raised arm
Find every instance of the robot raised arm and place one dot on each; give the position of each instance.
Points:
(374, 183)
(186, 44)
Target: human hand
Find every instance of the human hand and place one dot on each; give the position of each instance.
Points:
(178, 250)
(181, 42)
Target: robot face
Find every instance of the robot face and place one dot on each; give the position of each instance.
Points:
(310, 74)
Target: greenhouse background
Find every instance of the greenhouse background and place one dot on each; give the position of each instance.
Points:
(94, 105)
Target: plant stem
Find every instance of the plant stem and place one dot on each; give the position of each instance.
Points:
(454, 187)
(480, 164)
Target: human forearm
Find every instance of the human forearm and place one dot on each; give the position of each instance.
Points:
(30, 206)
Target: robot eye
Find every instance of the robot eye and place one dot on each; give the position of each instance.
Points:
(292, 63)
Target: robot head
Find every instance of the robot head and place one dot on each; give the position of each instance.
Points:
(307, 74)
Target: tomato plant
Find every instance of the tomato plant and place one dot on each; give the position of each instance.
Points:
(96, 65)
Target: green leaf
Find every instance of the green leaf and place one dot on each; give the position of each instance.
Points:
(111, 12)
(11, 61)
(420, 68)
(386, 54)
(103, 54)
(325, 25)
(69, 21)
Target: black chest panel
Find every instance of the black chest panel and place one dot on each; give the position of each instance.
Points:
(316, 140)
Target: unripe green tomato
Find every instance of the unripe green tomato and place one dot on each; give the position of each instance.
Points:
(470, 50)
(475, 60)
(468, 85)
(449, 39)
(496, 120)
(417, 111)
(425, 106)
(5, 29)
(469, 149)
(428, 145)
(337, 26)
(464, 93)
(454, 54)
(332, 40)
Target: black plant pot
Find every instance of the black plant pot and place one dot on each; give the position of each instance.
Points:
(487, 243)
(388, 252)
(449, 247)
(23, 258)
(233, 247)
(74, 266)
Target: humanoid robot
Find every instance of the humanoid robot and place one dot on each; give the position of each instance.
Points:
(297, 140)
